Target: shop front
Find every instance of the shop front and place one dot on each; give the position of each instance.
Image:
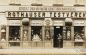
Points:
(14, 30)
(45, 28)
(79, 33)
(58, 33)
(36, 27)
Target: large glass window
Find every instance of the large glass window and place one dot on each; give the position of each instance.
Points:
(36, 36)
(78, 32)
(78, 35)
(14, 35)
(36, 33)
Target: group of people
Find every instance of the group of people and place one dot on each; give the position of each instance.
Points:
(59, 37)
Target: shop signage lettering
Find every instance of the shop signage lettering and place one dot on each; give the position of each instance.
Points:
(14, 22)
(27, 14)
(58, 23)
(36, 23)
(79, 23)
(46, 8)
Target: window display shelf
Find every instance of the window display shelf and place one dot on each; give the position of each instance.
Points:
(79, 40)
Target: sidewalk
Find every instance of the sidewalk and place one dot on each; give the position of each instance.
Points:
(38, 51)
(83, 51)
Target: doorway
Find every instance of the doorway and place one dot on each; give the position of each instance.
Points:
(58, 38)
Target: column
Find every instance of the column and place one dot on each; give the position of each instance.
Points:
(52, 35)
(85, 33)
(29, 30)
(72, 36)
(29, 37)
(7, 35)
(21, 35)
(43, 36)
(85, 36)
(85, 30)
(64, 37)
(64, 32)
(29, 33)
(72, 33)
(0, 32)
(43, 32)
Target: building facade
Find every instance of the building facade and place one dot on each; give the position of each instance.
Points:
(43, 26)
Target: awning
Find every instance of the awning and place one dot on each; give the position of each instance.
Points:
(68, 20)
(25, 20)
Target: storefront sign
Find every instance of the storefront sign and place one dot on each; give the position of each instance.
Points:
(58, 23)
(46, 8)
(41, 8)
(14, 22)
(79, 23)
(36, 23)
(21, 14)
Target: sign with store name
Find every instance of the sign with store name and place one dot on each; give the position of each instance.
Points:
(41, 8)
(14, 22)
(79, 23)
(46, 8)
(41, 14)
(58, 23)
(36, 22)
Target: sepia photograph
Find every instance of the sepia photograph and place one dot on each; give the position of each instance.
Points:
(42, 27)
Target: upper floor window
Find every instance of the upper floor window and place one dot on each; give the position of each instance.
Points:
(15, 3)
(58, 5)
(79, 3)
(35, 4)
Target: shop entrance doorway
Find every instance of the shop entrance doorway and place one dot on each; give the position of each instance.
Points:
(58, 39)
